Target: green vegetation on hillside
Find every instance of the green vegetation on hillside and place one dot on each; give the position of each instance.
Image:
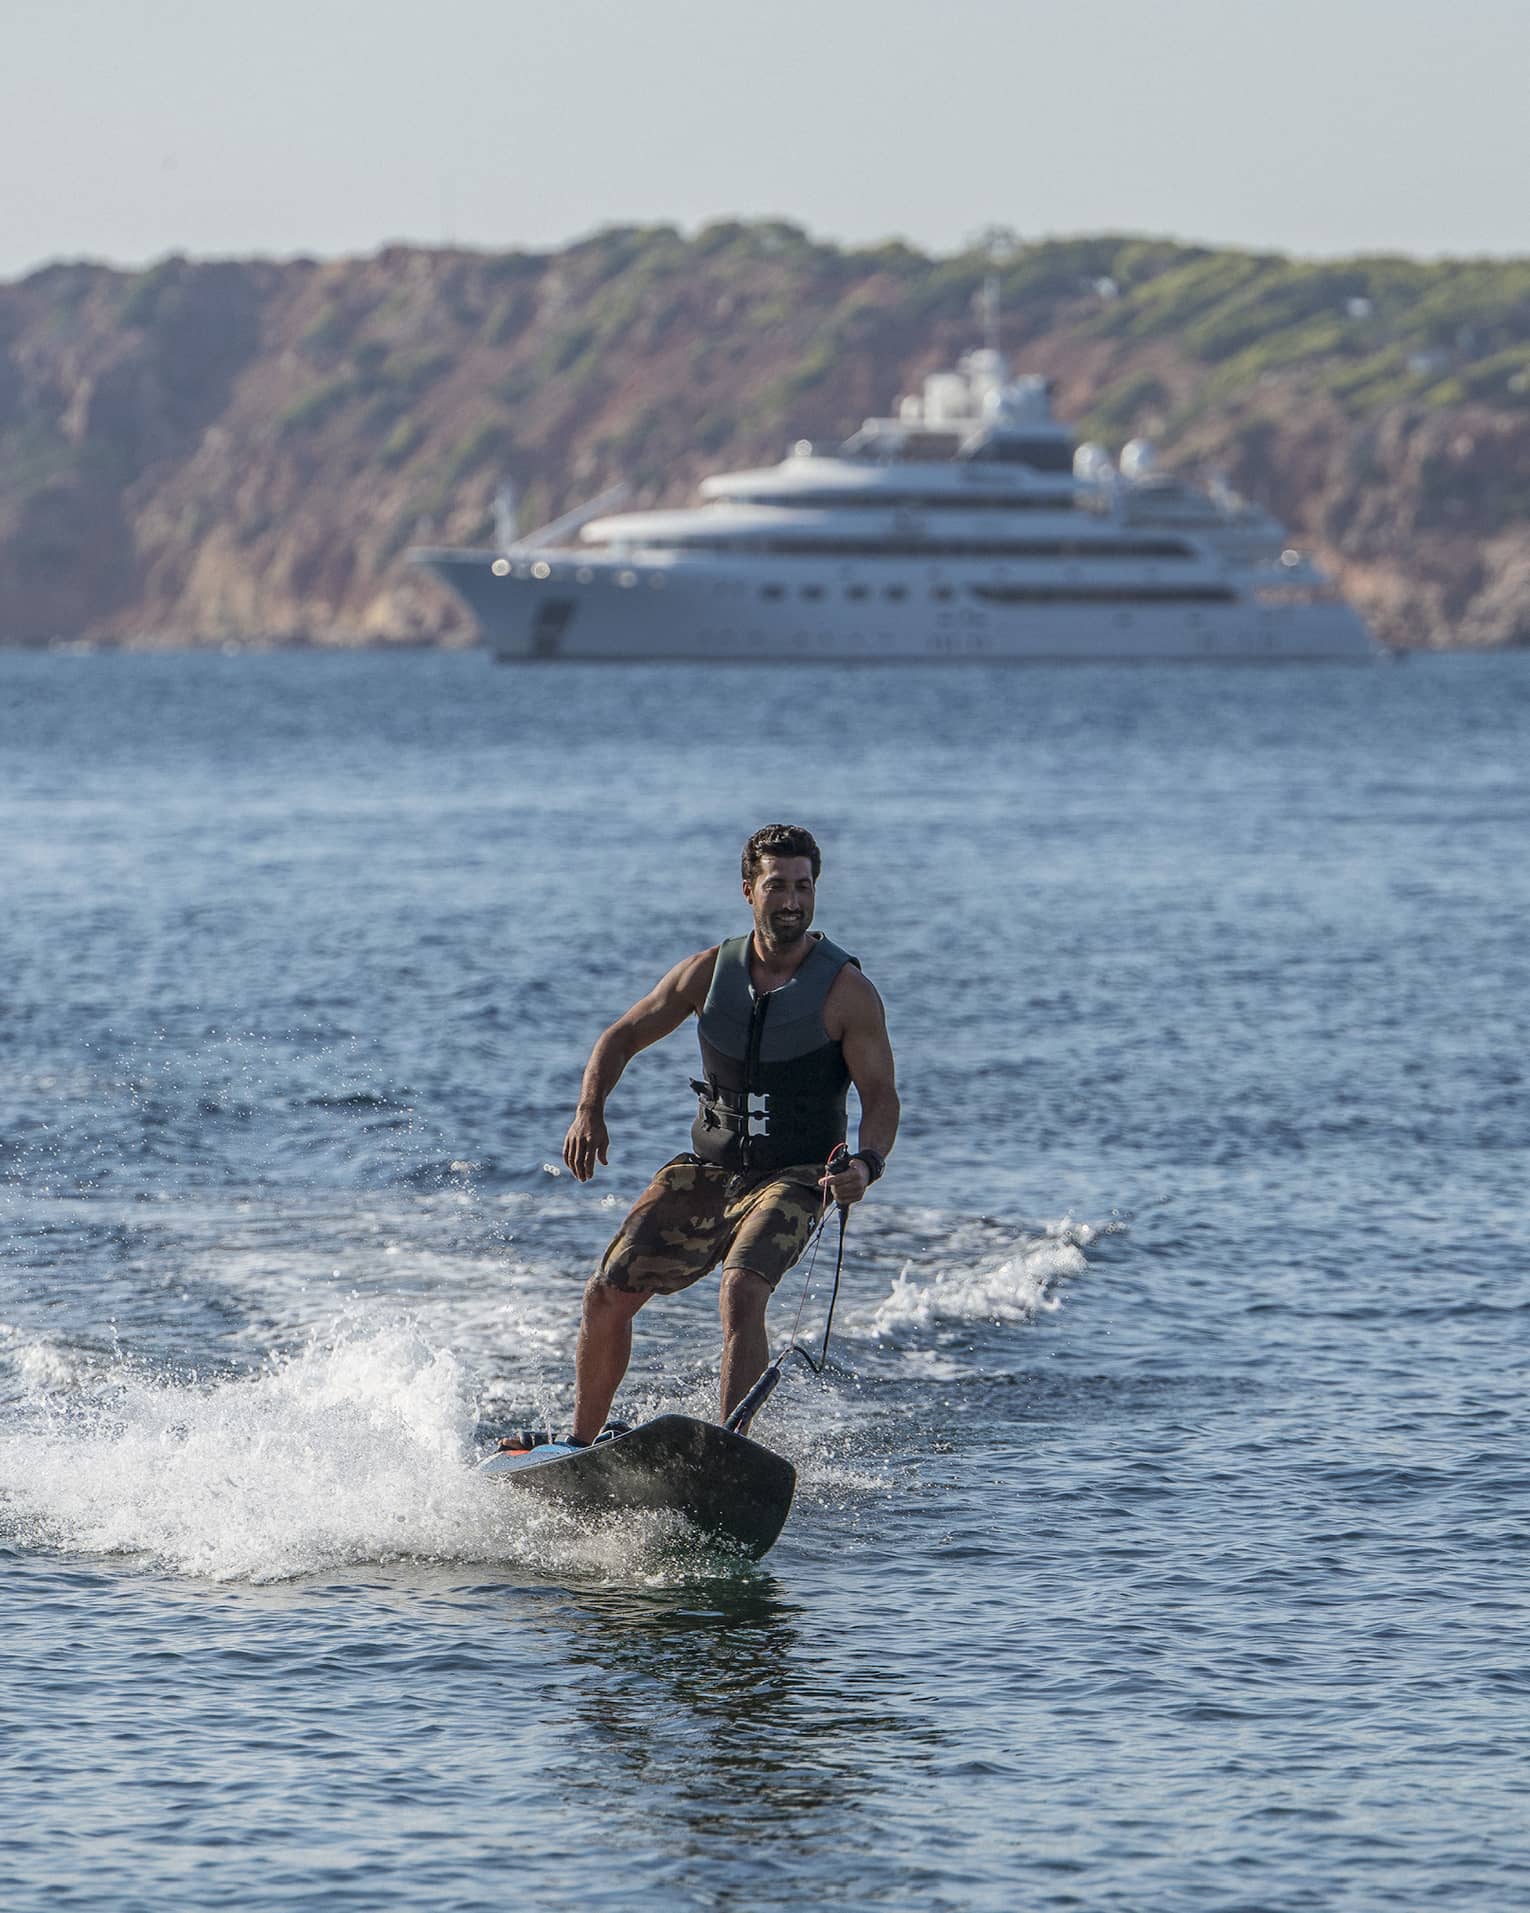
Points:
(1370, 331)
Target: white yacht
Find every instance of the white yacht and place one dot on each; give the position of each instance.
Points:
(968, 525)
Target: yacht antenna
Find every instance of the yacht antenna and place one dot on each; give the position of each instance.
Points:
(988, 311)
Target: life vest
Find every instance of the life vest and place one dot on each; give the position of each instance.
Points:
(773, 1079)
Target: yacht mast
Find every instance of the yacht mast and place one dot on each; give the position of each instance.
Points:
(988, 311)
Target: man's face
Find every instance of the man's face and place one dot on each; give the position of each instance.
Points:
(781, 898)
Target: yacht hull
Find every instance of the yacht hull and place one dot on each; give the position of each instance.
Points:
(578, 611)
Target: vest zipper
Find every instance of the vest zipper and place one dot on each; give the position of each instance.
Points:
(752, 1073)
(752, 1052)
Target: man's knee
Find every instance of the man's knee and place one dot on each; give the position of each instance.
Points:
(605, 1303)
(742, 1297)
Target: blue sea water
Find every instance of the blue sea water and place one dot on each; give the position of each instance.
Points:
(1161, 1533)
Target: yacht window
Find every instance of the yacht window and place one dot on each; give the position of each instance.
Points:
(811, 591)
(825, 499)
(856, 591)
(771, 591)
(942, 592)
(1041, 454)
(1104, 594)
(1085, 549)
(895, 591)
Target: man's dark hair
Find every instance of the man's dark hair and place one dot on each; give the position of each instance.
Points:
(779, 840)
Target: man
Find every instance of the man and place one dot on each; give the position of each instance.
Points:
(786, 1022)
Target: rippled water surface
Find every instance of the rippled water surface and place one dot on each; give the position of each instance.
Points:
(1160, 1540)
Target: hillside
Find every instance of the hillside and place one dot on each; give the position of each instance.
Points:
(226, 450)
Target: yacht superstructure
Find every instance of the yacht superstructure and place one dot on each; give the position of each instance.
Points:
(965, 526)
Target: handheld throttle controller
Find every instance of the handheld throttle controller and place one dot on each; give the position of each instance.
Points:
(839, 1159)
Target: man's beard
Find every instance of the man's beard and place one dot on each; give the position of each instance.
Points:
(785, 933)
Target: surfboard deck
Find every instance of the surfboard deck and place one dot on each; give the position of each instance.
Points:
(724, 1485)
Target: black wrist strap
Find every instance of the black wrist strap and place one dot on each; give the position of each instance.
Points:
(875, 1164)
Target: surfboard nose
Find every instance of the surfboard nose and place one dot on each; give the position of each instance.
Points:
(725, 1486)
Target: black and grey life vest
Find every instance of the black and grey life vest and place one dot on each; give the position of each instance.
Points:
(774, 1080)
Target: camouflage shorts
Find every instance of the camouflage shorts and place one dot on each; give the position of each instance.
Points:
(694, 1215)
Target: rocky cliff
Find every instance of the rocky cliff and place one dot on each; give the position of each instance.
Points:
(220, 450)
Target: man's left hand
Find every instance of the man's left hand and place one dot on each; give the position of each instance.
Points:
(848, 1184)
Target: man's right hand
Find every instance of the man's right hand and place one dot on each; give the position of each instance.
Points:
(586, 1140)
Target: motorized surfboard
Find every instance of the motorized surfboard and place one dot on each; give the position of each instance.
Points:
(723, 1484)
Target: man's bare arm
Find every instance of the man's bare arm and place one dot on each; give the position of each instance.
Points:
(665, 1008)
(854, 1015)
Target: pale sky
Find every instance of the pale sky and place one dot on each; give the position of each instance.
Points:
(134, 128)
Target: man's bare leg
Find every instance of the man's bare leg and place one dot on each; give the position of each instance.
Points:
(605, 1348)
(741, 1303)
